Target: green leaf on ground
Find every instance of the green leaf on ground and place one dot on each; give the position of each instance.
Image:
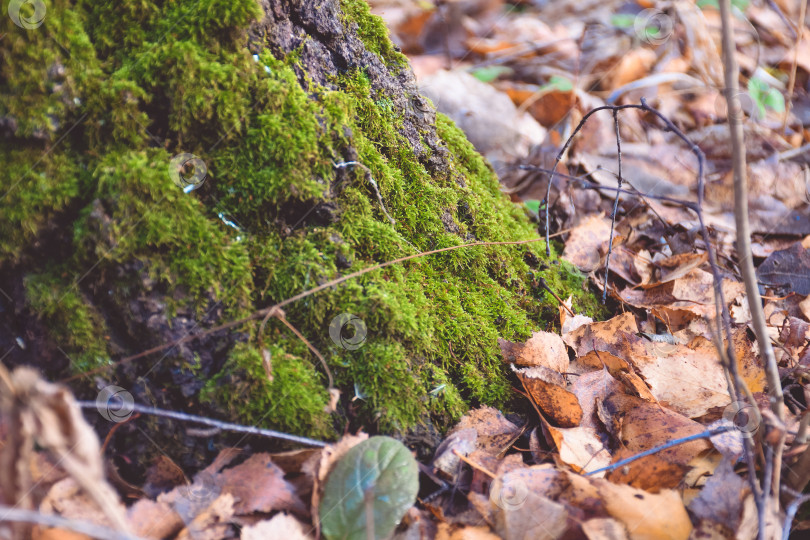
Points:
(380, 476)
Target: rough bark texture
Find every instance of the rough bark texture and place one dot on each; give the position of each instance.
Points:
(104, 256)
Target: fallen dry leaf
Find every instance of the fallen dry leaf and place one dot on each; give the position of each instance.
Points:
(283, 526)
(446, 459)
(723, 499)
(646, 516)
(582, 339)
(449, 532)
(568, 323)
(542, 349)
(589, 388)
(258, 485)
(153, 519)
(579, 447)
(522, 511)
(587, 242)
(689, 381)
(692, 293)
(494, 431)
(650, 473)
(604, 529)
(640, 425)
(547, 389)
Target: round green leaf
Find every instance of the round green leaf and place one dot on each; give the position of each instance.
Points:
(380, 476)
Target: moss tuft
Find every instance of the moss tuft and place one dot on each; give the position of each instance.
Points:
(280, 212)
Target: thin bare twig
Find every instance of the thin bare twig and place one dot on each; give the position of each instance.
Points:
(225, 426)
(18, 515)
(615, 202)
(370, 181)
(702, 435)
(790, 513)
(280, 315)
(792, 80)
(731, 75)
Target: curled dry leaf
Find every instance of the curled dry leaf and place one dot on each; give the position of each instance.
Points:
(581, 447)
(547, 389)
(677, 266)
(568, 323)
(46, 415)
(542, 349)
(589, 388)
(582, 339)
(459, 442)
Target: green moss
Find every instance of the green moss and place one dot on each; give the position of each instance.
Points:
(372, 32)
(70, 319)
(294, 398)
(170, 78)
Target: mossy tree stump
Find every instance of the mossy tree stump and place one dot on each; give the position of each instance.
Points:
(104, 255)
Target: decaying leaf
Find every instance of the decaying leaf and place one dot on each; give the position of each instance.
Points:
(258, 485)
(787, 270)
(723, 499)
(459, 442)
(590, 388)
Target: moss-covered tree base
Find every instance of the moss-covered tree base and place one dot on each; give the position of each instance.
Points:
(105, 256)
